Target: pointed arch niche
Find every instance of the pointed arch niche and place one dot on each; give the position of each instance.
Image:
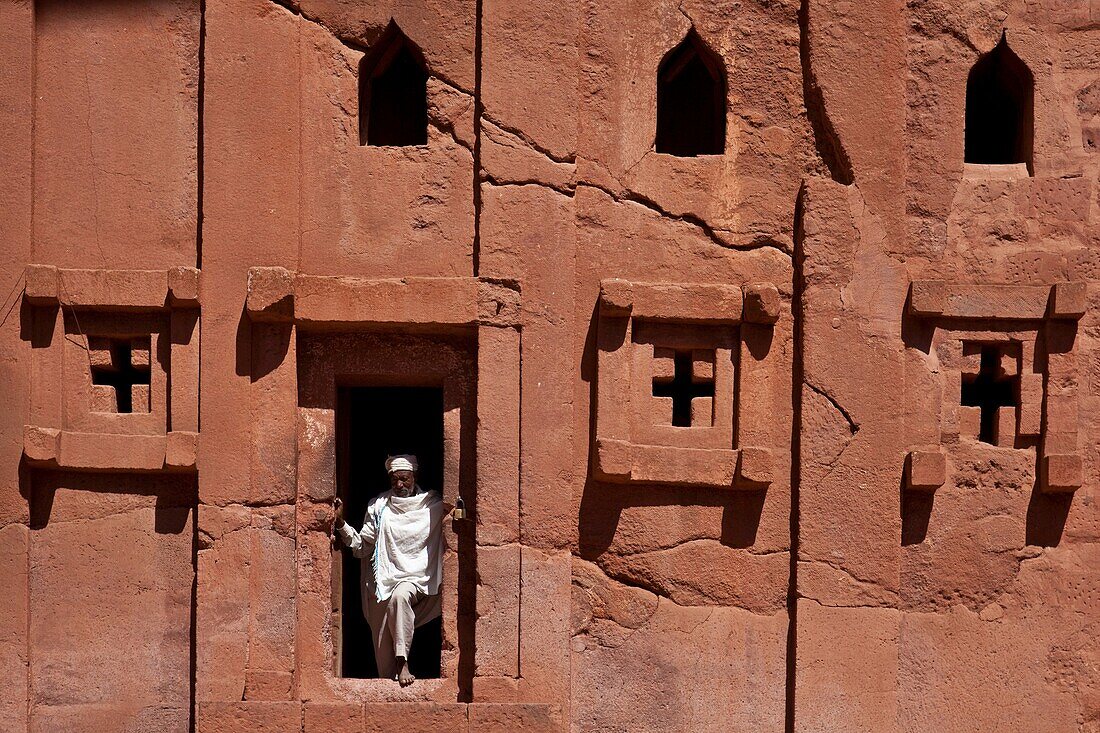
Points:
(393, 92)
(1000, 109)
(691, 100)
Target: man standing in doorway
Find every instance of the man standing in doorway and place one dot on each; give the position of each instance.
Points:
(400, 547)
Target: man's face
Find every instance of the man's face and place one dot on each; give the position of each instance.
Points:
(402, 482)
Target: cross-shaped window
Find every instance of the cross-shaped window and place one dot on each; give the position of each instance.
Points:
(683, 387)
(989, 390)
(122, 374)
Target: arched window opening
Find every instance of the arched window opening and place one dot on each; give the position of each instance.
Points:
(691, 100)
(393, 92)
(999, 109)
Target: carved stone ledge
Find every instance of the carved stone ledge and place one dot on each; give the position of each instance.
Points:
(925, 469)
(761, 303)
(64, 449)
(41, 285)
(1069, 300)
(686, 302)
(1061, 472)
(619, 461)
(183, 287)
(278, 295)
(41, 445)
(939, 299)
(109, 290)
(270, 295)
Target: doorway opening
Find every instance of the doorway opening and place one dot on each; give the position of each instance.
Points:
(372, 423)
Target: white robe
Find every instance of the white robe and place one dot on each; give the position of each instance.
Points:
(400, 542)
(402, 537)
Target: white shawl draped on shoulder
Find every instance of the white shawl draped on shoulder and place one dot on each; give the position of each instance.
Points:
(407, 533)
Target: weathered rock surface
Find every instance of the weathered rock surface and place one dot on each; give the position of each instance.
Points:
(877, 509)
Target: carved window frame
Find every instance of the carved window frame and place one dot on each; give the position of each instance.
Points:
(1042, 320)
(629, 446)
(69, 306)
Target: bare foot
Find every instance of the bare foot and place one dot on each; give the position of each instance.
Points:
(405, 677)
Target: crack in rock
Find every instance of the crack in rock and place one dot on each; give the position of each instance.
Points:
(712, 233)
(853, 426)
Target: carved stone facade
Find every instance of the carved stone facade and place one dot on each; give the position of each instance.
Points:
(758, 342)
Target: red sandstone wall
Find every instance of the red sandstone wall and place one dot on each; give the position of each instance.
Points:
(173, 571)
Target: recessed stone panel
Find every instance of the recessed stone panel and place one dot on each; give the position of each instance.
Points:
(121, 659)
(668, 387)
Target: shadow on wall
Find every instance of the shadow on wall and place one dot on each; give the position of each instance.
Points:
(176, 495)
(261, 347)
(1046, 518)
(36, 324)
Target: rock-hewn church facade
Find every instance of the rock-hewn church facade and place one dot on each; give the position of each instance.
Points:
(757, 340)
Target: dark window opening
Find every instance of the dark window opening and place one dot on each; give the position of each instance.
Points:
(989, 390)
(683, 387)
(372, 423)
(125, 372)
(691, 100)
(1000, 109)
(393, 92)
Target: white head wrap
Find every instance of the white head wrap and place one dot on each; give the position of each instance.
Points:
(403, 462)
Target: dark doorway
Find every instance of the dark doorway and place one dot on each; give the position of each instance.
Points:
(691, 100)
(393, 92)
(372, 423)
(1000, 109)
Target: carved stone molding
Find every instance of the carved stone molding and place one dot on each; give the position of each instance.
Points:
(668, 376)
(1018, 343)
(52, 448)
(177, 287)
(116, 368)
(278, 295)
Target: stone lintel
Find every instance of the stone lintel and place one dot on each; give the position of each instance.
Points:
(682, 302)
(49, 447)
(279, 295)
(425, 301)
(113, 289)
(939, 299)
(619, 461)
